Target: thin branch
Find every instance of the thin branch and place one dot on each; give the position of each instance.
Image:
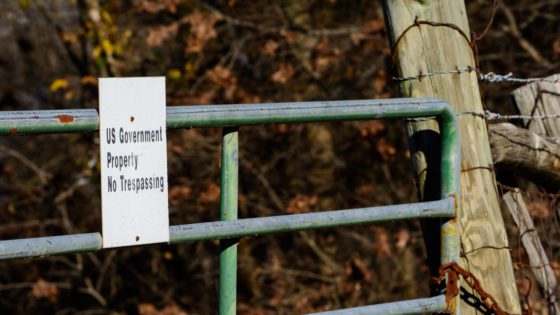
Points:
(280, 30)
(523, 42)
(43, 175)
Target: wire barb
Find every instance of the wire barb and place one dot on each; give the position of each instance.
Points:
(492, 77)
(434, 73)
(488, 115)
(491, 116)
(489, 77)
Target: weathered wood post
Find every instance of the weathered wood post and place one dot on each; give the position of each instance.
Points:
(432, 36)
(539, 99)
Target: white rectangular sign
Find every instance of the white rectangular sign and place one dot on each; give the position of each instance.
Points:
(133, 161)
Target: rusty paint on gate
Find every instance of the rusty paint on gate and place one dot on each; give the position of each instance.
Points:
(65, 119)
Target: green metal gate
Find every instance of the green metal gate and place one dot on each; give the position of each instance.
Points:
(230, 228)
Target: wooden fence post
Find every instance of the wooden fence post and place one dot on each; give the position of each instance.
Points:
(539, 99)
(424, 48)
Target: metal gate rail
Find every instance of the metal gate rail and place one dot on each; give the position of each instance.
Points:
(230, 228)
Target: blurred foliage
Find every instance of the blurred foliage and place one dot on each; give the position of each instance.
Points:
(216, 52)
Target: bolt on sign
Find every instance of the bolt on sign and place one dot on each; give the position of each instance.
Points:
(133, 148)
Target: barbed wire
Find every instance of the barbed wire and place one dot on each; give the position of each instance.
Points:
(434, 73)
(489, 77)
(489, 115)
(492, 116)
(540, 194)
(498, 78)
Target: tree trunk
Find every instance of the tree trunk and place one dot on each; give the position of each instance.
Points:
(428, 48)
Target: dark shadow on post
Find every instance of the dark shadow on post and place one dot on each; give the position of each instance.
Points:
(428, 183)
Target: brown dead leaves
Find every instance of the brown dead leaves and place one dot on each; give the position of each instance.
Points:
(326, 55)
(201, 30)
(373, 131)
(385, 149)
(380, 83)
(368, 27)
(225, 79)
(357, 269)
(45, 290)
(556, 48)
(158, 35)
(301, 204)
(374, 26)
(284, 73)
(156, 6)
(382, 245)
(371, 128)
(150, 309)
(539, 209)
(403, 238)
(222, 77)
(224, 85)
(179, 193)
(211, 194)
(270, 48)
(556, 267)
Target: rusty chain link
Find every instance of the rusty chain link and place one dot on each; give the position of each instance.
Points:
(484, 302)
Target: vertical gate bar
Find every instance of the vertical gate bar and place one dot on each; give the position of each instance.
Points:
(228, 211)
(451, 187)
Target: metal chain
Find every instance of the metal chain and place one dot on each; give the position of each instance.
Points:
(487, 302)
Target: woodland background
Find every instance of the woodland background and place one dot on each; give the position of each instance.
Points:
(235, 51)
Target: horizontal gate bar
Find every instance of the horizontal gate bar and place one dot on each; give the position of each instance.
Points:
(84, 120)
(303, 112)
(89, 242)
(50, 245)
(418, 306)
(307, 221)
(48, 121)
